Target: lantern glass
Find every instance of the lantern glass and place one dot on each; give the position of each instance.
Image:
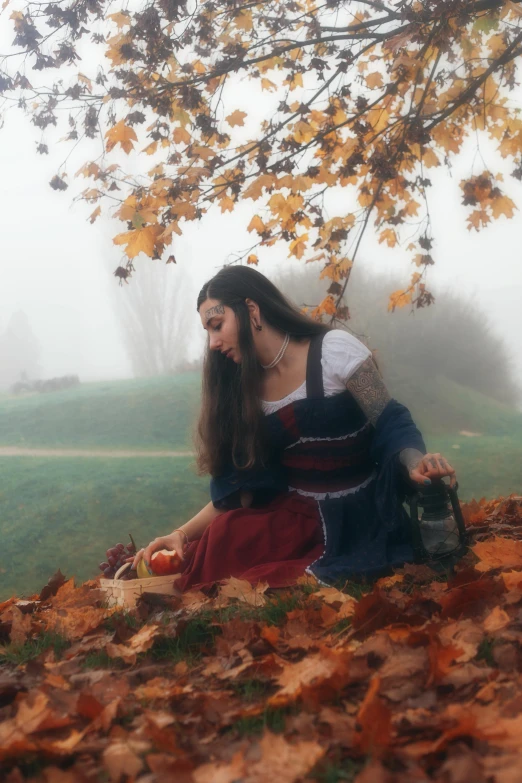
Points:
(439, 532)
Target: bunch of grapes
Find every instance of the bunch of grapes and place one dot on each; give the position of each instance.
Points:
(116, 557)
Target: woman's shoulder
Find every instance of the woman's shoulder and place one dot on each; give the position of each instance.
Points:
(339, 340)
(342, 355)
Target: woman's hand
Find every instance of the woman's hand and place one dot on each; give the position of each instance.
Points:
(176, 541)
(431, 466)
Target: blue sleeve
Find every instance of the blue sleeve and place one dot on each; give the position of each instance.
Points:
(395, 430)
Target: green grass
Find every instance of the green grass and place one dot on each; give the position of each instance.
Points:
(250, 690)
(100, 659)
(64, 513)
(16, 654)
(159, 413)
(485, 652)
(345, 771)
(153, 413)
(440, 406)
(273, 719)
(195, 638)
(487, 466)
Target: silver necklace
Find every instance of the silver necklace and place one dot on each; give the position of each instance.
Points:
(279, 355)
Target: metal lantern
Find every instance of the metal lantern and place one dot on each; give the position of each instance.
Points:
(439, 534)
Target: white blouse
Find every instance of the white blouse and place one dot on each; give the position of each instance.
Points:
(342, 355)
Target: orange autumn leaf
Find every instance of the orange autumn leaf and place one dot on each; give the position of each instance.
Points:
(374, 719)
(236, 118)
(374, 80)
(241, 590)
(298, 246)
(121, 134)
(399, 299)
(256, 224)
(389, 236)
(498, 552)
(142, 240)
(95, 214)
(253, 259)
(226, 204)
(503, 206)
(120, 18)
(276, 759)
(496, 620)
(313, 679)
(512, 579)
(244, 21)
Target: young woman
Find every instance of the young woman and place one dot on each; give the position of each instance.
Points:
(308, 453)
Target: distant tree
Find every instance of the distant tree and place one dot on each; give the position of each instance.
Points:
(156, 314)
(361, 95)
(454, 340)
(20, 351)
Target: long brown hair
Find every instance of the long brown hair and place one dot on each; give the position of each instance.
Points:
(229, 430)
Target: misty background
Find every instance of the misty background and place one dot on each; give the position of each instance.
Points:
(62, 310)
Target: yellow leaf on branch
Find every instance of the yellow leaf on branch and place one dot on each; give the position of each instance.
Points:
(285, 207)
(143, 240)
(244, 21)
(328, 305)
(236, 118)
(120, 19)
(374, 80)
(266, 84)
(256, 224)
(253, 259)
(399, 299)
(303, 132)
(166, 235)
(295, 80)
(121, 134)
(478, 219)
(95, 214)
(503, 205)
(226, 204)
(181, 136)
(298, 246)
(389, 236)
(255, 189)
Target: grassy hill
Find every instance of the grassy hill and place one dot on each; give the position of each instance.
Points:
(65, 513)
(160, 413)
(154, 413)
(58, 512)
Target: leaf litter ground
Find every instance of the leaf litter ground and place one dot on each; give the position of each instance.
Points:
(415, 678)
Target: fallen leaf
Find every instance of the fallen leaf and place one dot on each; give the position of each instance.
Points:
(496, 620)
(373, 721)
(241, 590)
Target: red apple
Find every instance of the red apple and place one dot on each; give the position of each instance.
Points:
(165, 562)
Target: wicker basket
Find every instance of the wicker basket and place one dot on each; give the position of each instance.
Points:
(125, 592)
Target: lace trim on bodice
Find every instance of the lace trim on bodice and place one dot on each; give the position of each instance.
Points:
(271, 406)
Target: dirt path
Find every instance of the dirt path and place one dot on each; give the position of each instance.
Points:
(15, 451)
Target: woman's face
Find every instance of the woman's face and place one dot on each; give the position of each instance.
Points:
(221, 325)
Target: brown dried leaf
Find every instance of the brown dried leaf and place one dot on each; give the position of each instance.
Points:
(20, 626)
(241, 590)
(498, 552)
(140, 642)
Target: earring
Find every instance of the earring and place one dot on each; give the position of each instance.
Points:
(258, 327)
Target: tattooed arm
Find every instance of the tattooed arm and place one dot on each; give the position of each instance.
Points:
(368, 389)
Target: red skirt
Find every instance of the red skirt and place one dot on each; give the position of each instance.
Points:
(273, 544)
